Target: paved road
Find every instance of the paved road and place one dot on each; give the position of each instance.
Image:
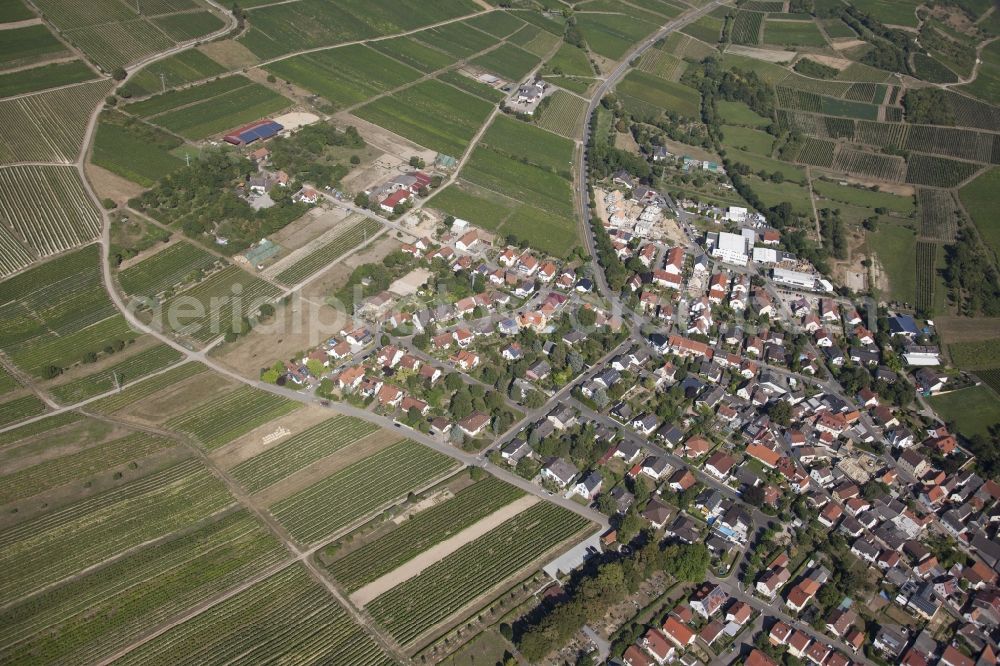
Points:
(609, 83)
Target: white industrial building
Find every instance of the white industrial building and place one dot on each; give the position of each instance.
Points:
(731, 248)
(794, 278)
(765, 255)
(736, 214)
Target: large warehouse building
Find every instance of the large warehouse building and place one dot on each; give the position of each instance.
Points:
(262, 129)
(794, 278)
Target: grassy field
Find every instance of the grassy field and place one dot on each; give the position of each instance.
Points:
(747, 139)
(525, 183)
(145, 388)
(891, 12)
(508, 61)
(569, 61)
(423, 530)
(612, 35)
(165, 269)
(345, 76)
(221, 420)
(469, 202)
(359, 489)
(738, 113)
(431, 114)
(44, 77)
(278, 29)
(864, 197)
(973, 409)
(456, 39)
(793, 33)
(136, 151)
(14, 10)
(88, 619)
(498, 24)
(979, 199)
(281, 619)
(760, 163)
(204, 110)
(176, 70)
(895, 246)
(132, 369)
(772, 193)
(183, 27)
(444, 588)
(299, 451)
(667, 95)
(977, 355)
(471, 86)
(987, 84)
(26, 46)
(411, 52)
(528, 144)
(43, 550)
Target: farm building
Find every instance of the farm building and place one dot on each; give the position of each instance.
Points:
(262, 129)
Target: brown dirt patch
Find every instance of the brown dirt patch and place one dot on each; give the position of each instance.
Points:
(441, 550)
(321, 469)
(314, 223)
(386, 141)
(178, 398)
(111, 186)
(229, 53)
(963, 329)
(837, 63)
(847, 44)
(625, 141)
(252, 443)
(54, 444)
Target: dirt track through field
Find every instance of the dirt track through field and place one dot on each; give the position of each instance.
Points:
(439, 551)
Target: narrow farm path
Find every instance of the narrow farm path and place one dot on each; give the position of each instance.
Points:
(436, 553)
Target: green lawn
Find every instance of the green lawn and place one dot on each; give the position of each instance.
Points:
(612, 35)
(774, 193)
(980, 200)
(569, 61)
(973, 409)
(759, 162)
(666, 95)
(751, 140)
(891, 12)
(895, 246)
(738, 113)
(864, 197)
